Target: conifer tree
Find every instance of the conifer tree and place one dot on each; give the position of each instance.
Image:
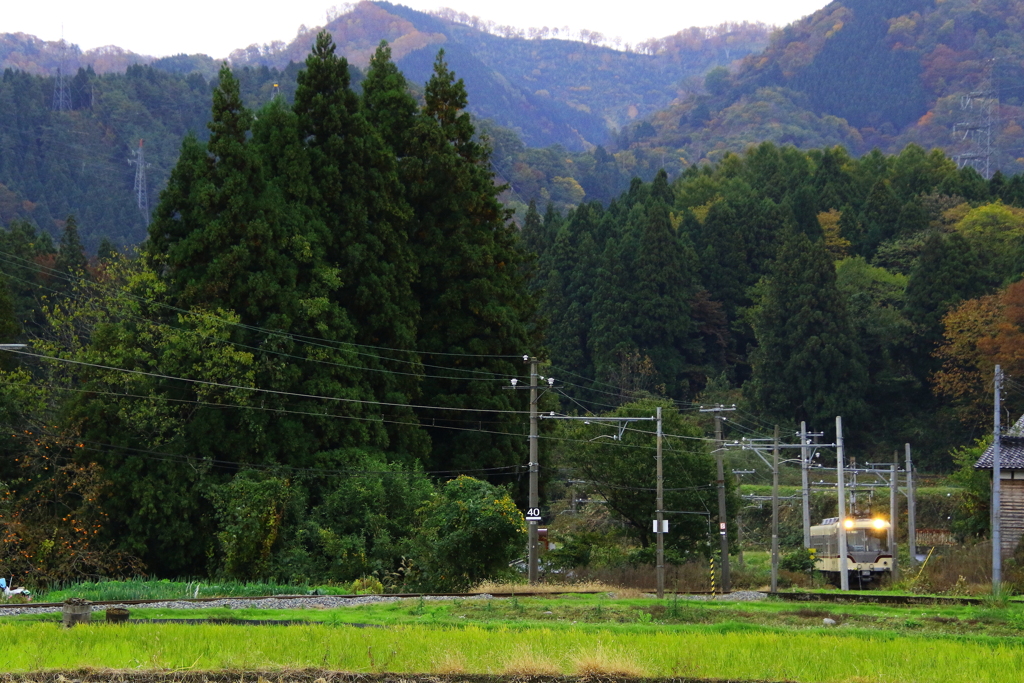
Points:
(359, 202)
(572, 279)
(386, 101)
(71, 260)
(476, 311)
(807, 365)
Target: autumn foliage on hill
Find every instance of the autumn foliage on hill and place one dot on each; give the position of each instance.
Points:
(980, 334)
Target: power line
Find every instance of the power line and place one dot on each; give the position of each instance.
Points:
(292, 394)
(302, 339)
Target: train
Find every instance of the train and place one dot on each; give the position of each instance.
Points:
(869, 557)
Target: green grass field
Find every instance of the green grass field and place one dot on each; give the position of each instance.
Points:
(568, 634)
(722, 651)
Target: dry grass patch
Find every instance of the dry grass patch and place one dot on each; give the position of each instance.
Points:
(524, 662)
(553, 588)
(448, 663)
(511, 587)
(600, 663)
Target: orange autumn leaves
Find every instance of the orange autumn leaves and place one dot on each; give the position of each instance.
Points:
(979, 334)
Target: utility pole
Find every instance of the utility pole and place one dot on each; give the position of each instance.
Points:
(844, 577)
(805, 493)
(660, 519)
(997, 551)
(659, 522)
(894, 514)
(723, 533)
(775, 513)
(533, 518)
(911, 509)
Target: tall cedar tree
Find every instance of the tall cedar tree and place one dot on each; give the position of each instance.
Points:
(807, 365)
(477, 313)
(666, 277)
(360, 202)
(571, 281)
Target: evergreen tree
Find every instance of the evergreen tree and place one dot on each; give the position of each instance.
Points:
(359, 202)
(663, 324)
(807, 365)
(71, 261)
(881, 216)
(571, 281)
(946, 273)
(476, 311)
(386, 101)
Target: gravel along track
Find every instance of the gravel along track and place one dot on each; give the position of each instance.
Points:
(327, 602)
(300, 602)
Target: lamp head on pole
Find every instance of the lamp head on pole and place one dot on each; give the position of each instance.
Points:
(515, 381)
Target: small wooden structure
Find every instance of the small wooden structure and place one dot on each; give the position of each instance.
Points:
(1011, 477)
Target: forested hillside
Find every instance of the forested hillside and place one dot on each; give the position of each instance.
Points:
(329, 303)
(865, 74)
(304, 371)
(549, 90)
(803, 285)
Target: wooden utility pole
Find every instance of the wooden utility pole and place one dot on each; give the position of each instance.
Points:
(911, 509)
(534, 472)
(805, 492)
(660, 519)
(844, 576)
(997, 551)
(775, 513)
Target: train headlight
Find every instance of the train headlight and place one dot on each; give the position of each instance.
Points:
(879, 523)
(848, 524)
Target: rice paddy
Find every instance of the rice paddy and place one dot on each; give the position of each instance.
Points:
(730, 652)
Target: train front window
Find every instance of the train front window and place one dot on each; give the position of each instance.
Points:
(866, 540)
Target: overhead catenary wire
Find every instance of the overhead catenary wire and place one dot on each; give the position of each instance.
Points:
(492, 378)
(315, 341)
(292, 394)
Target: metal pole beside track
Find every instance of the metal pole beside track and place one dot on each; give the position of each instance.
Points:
(844, 576)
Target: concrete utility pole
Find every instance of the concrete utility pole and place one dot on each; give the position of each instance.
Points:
(723, 532)
(844, 576)
(775, 513)
(911, 509)
(660, 519)
(894, 513)
(997, 551)
(534, 472)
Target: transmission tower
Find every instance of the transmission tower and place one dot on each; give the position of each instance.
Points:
(141, 199)
(975, 131)
(61, 91)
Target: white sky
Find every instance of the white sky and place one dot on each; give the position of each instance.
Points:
(216, 27)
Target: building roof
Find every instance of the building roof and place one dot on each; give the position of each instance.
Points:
(1011, 455)
(1011, 450)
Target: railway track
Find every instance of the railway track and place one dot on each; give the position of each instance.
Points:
(881, 598)
(100, 603)
(790, 596)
